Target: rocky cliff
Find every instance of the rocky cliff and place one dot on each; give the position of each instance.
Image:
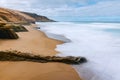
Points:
(8, 15)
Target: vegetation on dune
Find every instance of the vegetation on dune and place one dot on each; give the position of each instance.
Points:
(19, 56)
(4, 18)
(17, 27)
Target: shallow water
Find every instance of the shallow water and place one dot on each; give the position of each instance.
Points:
(98, 42)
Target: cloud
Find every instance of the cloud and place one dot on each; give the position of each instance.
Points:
(73, 8)
(108, 8)
(39, 3)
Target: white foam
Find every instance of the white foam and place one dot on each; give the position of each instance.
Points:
(91, 40)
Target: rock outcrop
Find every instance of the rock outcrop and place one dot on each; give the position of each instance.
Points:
(19, 56)
(7, 33)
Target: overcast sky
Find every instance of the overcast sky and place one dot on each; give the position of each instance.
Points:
(68, 9)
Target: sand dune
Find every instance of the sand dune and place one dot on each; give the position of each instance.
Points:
(15, 16)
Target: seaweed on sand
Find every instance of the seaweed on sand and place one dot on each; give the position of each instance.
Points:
(19, 56)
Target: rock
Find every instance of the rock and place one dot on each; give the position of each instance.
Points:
(19, 56)
(7, 33)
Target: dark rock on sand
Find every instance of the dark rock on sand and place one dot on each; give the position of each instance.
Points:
(19, 56)
(7, 33)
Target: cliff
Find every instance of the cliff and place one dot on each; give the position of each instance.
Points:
(9, 15)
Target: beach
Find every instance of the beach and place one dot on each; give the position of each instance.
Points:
(34, 41)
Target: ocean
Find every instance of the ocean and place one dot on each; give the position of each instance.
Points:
(97, 41)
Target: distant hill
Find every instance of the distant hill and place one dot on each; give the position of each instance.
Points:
(9, 15)
(38, 18)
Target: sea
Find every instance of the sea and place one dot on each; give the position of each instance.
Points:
(98, 42)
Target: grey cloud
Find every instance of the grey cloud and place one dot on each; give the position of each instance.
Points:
(64, 7)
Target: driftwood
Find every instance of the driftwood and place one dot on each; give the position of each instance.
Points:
(19, 56)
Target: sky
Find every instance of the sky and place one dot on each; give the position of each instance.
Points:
(69, 10)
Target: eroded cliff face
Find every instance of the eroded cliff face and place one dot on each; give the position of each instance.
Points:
(8, 15)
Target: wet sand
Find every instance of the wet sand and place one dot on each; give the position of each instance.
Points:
(35, 42)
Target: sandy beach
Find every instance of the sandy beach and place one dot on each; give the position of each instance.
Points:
(36, 42)
(33, 41)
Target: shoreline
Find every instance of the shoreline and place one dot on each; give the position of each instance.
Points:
(56, 37)
(40, 44)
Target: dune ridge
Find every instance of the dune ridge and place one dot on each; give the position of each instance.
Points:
(15, 16)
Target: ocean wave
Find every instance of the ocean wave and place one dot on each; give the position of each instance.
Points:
(98, 42)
